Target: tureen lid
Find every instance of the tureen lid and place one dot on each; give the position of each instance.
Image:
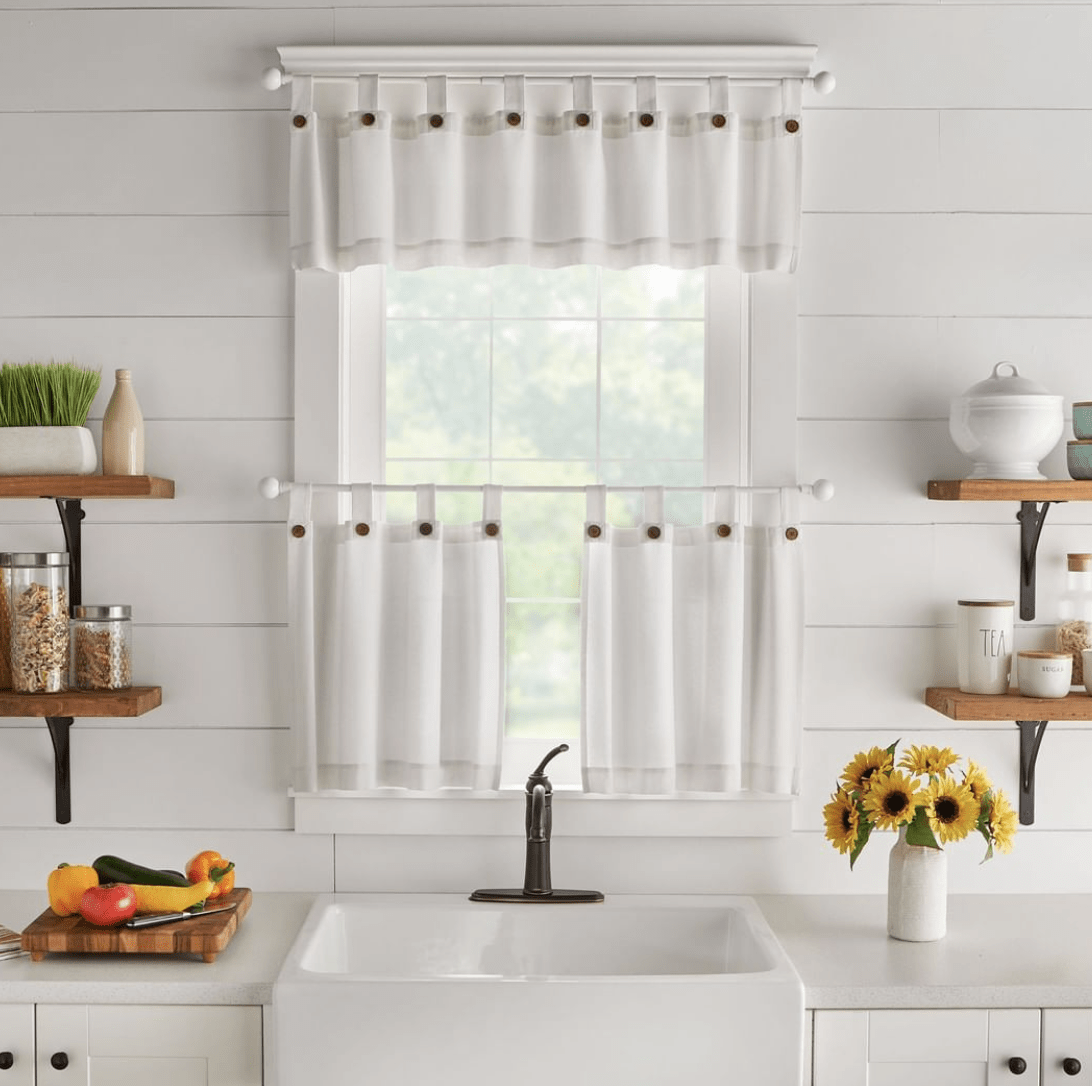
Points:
(1011, 384)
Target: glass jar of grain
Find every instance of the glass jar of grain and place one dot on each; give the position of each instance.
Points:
(39, 622)
(102, 647)
(1074, 632)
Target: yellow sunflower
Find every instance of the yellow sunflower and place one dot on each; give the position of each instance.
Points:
(951, 809)
(858, 773)
(842, 820)
(1002, 822)
(930, 760)
(976, 780)
(892, 800)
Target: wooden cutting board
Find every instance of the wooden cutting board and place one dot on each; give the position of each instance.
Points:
(205, 935)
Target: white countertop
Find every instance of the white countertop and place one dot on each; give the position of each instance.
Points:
(1000, 951)
(243, 973)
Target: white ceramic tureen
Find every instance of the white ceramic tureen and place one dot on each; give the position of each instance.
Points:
(1006, 424)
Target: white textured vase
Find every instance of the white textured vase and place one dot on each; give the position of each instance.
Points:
(123, 430)
(917, 892)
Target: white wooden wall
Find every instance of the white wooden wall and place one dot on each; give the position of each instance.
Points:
(142, 225)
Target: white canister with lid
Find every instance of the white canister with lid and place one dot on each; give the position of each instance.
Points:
(1006, 424)
(984, 632)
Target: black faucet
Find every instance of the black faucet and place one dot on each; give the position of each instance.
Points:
(538, 823)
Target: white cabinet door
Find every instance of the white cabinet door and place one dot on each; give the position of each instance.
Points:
(135, 1045)
(1067, 1047)
(16, 1044)
(943, 1048)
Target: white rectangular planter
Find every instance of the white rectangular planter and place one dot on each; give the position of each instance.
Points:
(47, 450)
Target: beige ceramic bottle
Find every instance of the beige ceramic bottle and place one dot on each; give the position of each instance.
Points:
(123, 430)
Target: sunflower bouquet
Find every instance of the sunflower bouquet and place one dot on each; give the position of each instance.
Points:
(934, 802)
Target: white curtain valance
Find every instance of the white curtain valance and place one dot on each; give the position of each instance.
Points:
(515, 185)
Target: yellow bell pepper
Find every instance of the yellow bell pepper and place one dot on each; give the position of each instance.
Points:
(66, 886)
(171, 899)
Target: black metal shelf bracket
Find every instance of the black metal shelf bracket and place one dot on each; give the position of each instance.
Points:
(1031, 519)
(59, 727)
(71, 514)
(1031, 736)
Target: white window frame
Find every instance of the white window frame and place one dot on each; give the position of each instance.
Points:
(750, 439)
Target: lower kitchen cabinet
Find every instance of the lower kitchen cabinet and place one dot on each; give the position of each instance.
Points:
(107, 1045)
(1026, 1047)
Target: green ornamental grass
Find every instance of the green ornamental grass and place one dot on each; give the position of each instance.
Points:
(46, 393)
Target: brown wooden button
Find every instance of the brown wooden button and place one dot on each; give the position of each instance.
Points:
(594, 531)
(299, 531)
(367, 119)
(300, 121)
(425, 528)
(647, 120)
(362, 529)
(791, 533)
(436, 120)
(583, 120)
(513, 119)
(724, 530)
(792, 125)
(718, 120)
(653, 531)
(492, 529)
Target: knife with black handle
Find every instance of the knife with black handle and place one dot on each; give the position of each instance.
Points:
(152, 919)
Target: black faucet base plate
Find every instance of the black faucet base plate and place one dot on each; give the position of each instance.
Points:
(555, 897)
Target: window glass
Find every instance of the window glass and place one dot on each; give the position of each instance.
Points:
(530, 377)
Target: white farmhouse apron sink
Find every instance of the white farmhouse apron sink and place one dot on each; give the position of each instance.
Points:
(391, 989)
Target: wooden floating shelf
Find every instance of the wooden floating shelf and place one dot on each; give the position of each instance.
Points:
(1010, 490)
(85, 486)
(135, 701)
(952, 702)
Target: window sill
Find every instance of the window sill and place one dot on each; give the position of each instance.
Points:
(501, 814)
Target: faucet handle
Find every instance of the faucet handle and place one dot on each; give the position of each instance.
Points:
(553, 754)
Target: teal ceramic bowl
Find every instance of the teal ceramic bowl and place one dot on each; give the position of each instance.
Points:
(1078, 456)
(1082, 420)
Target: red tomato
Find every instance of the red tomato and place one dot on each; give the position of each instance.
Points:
(108, 905)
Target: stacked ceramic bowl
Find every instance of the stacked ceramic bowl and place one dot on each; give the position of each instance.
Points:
(1079, 452)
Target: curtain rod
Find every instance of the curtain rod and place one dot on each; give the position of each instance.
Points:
(271, 487)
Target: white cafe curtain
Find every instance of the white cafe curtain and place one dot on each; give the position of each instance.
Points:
(692, 650)
(577, 186)
(398, 644)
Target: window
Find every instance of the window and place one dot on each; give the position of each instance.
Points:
(427, 376)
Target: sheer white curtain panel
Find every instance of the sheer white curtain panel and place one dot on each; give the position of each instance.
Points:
(548, 189)
(398, 644)
(692, 652)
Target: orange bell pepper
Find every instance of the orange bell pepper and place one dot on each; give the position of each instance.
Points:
(66, 886)
(210, 865)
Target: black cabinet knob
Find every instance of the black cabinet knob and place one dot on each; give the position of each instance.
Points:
(59, 1060)
(1071, 1066)
(6, 1060)
(1018, 1065)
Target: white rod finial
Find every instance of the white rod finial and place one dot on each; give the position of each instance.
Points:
(823, 82)
(822, 490)
(273, 78)
(270, 487)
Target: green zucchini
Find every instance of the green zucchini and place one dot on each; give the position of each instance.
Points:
(115, 869)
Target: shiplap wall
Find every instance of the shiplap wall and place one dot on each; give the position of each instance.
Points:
(142, 225)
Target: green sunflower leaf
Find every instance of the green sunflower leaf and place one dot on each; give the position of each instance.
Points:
(919, 832)
(864, 831)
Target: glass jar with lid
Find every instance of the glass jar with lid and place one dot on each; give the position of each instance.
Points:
(102, 647)
(39, 622)
(5, 621)
(1074, 632)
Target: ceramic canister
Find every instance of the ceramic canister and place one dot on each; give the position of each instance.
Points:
(984, 631)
